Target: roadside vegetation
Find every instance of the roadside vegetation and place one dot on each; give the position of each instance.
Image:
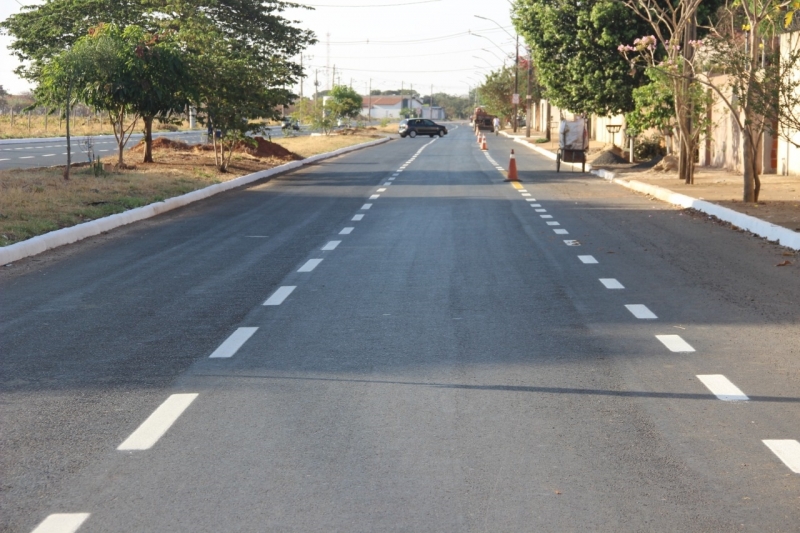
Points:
(36, 201)
(663, 65)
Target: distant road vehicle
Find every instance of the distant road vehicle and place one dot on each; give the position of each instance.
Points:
(482, 119)
(420, 126)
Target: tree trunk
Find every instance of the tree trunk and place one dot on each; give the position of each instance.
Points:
(69, 145)
(120, 141)
(148, 139)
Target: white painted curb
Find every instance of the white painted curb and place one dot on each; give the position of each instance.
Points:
(762, 228)
(41, 243)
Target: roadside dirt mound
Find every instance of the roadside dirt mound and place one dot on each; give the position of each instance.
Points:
(270, 149)
(163, 143)
(607, 157)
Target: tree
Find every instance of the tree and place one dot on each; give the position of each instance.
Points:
(674, 24)
(344, 103)
(497, 90)
(3, 94)
(755, 80)
(42, 31)
(574, 47)
(61, 80)
(654, 106)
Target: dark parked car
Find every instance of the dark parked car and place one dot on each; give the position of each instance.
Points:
(420, 126)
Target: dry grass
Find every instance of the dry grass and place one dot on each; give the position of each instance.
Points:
(306, 145)
(53, 127)
(36, 201)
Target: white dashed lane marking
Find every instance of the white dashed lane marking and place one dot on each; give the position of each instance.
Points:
(675, 343)
(641, 312)
(546, 216)
(233, 343)
(722, 388)
(310, 265)
(535, 205)
(787, 451)
(346, 231)
(561, 232)
(611, 283)
(158, 423)
(570, 242)
(541, 210)
(587, 259)
(333, 244)
(531, 200)
(366, 206)
(553, 223)
(62, 523)
(382, 190)
(374, 196)
(356, 218)
(280, 295)
(526, 194)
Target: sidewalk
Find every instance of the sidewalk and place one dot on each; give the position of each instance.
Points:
(777, 212)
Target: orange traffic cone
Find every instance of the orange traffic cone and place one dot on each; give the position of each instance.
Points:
(483, 143)
(512, 169)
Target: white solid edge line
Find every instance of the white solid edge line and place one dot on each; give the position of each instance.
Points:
(356, 218)
(346, 231)
(366, 206)
(332, 245)
(561, 231)
(722, 388)
(310, 265)
(233, 343)
(641, 311)
(62, 523)
(280, 295)
(787, 450)
(587, 259)
(675, 343)
(611, 283)
(158, 423)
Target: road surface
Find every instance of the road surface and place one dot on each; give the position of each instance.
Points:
(397, 340)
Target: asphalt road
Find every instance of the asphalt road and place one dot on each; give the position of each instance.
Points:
(44, 152)
(433, 356)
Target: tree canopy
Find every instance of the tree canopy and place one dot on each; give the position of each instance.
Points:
(574, 47)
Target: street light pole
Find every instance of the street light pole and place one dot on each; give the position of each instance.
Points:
(516, 88)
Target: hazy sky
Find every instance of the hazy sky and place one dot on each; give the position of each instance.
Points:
(419, 42)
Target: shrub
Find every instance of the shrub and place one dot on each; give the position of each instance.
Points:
(647, 148)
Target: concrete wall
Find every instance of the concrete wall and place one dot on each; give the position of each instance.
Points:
(787, 155)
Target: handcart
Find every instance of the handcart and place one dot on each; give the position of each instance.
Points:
(573, 141)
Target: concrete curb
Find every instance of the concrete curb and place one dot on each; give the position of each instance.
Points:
(41, 243)
(757, 226)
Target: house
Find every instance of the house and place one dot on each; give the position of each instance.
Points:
(380, 107)
(434, 113)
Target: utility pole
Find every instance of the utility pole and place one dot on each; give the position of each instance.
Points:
(333, 78)
(369, 110)
(529, 97)
(302, 75)
(431, 103)
(516, 87)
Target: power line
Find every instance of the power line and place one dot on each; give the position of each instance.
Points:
(428, 40)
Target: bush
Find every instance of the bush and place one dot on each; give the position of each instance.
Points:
(647, 148)
(384, 122)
